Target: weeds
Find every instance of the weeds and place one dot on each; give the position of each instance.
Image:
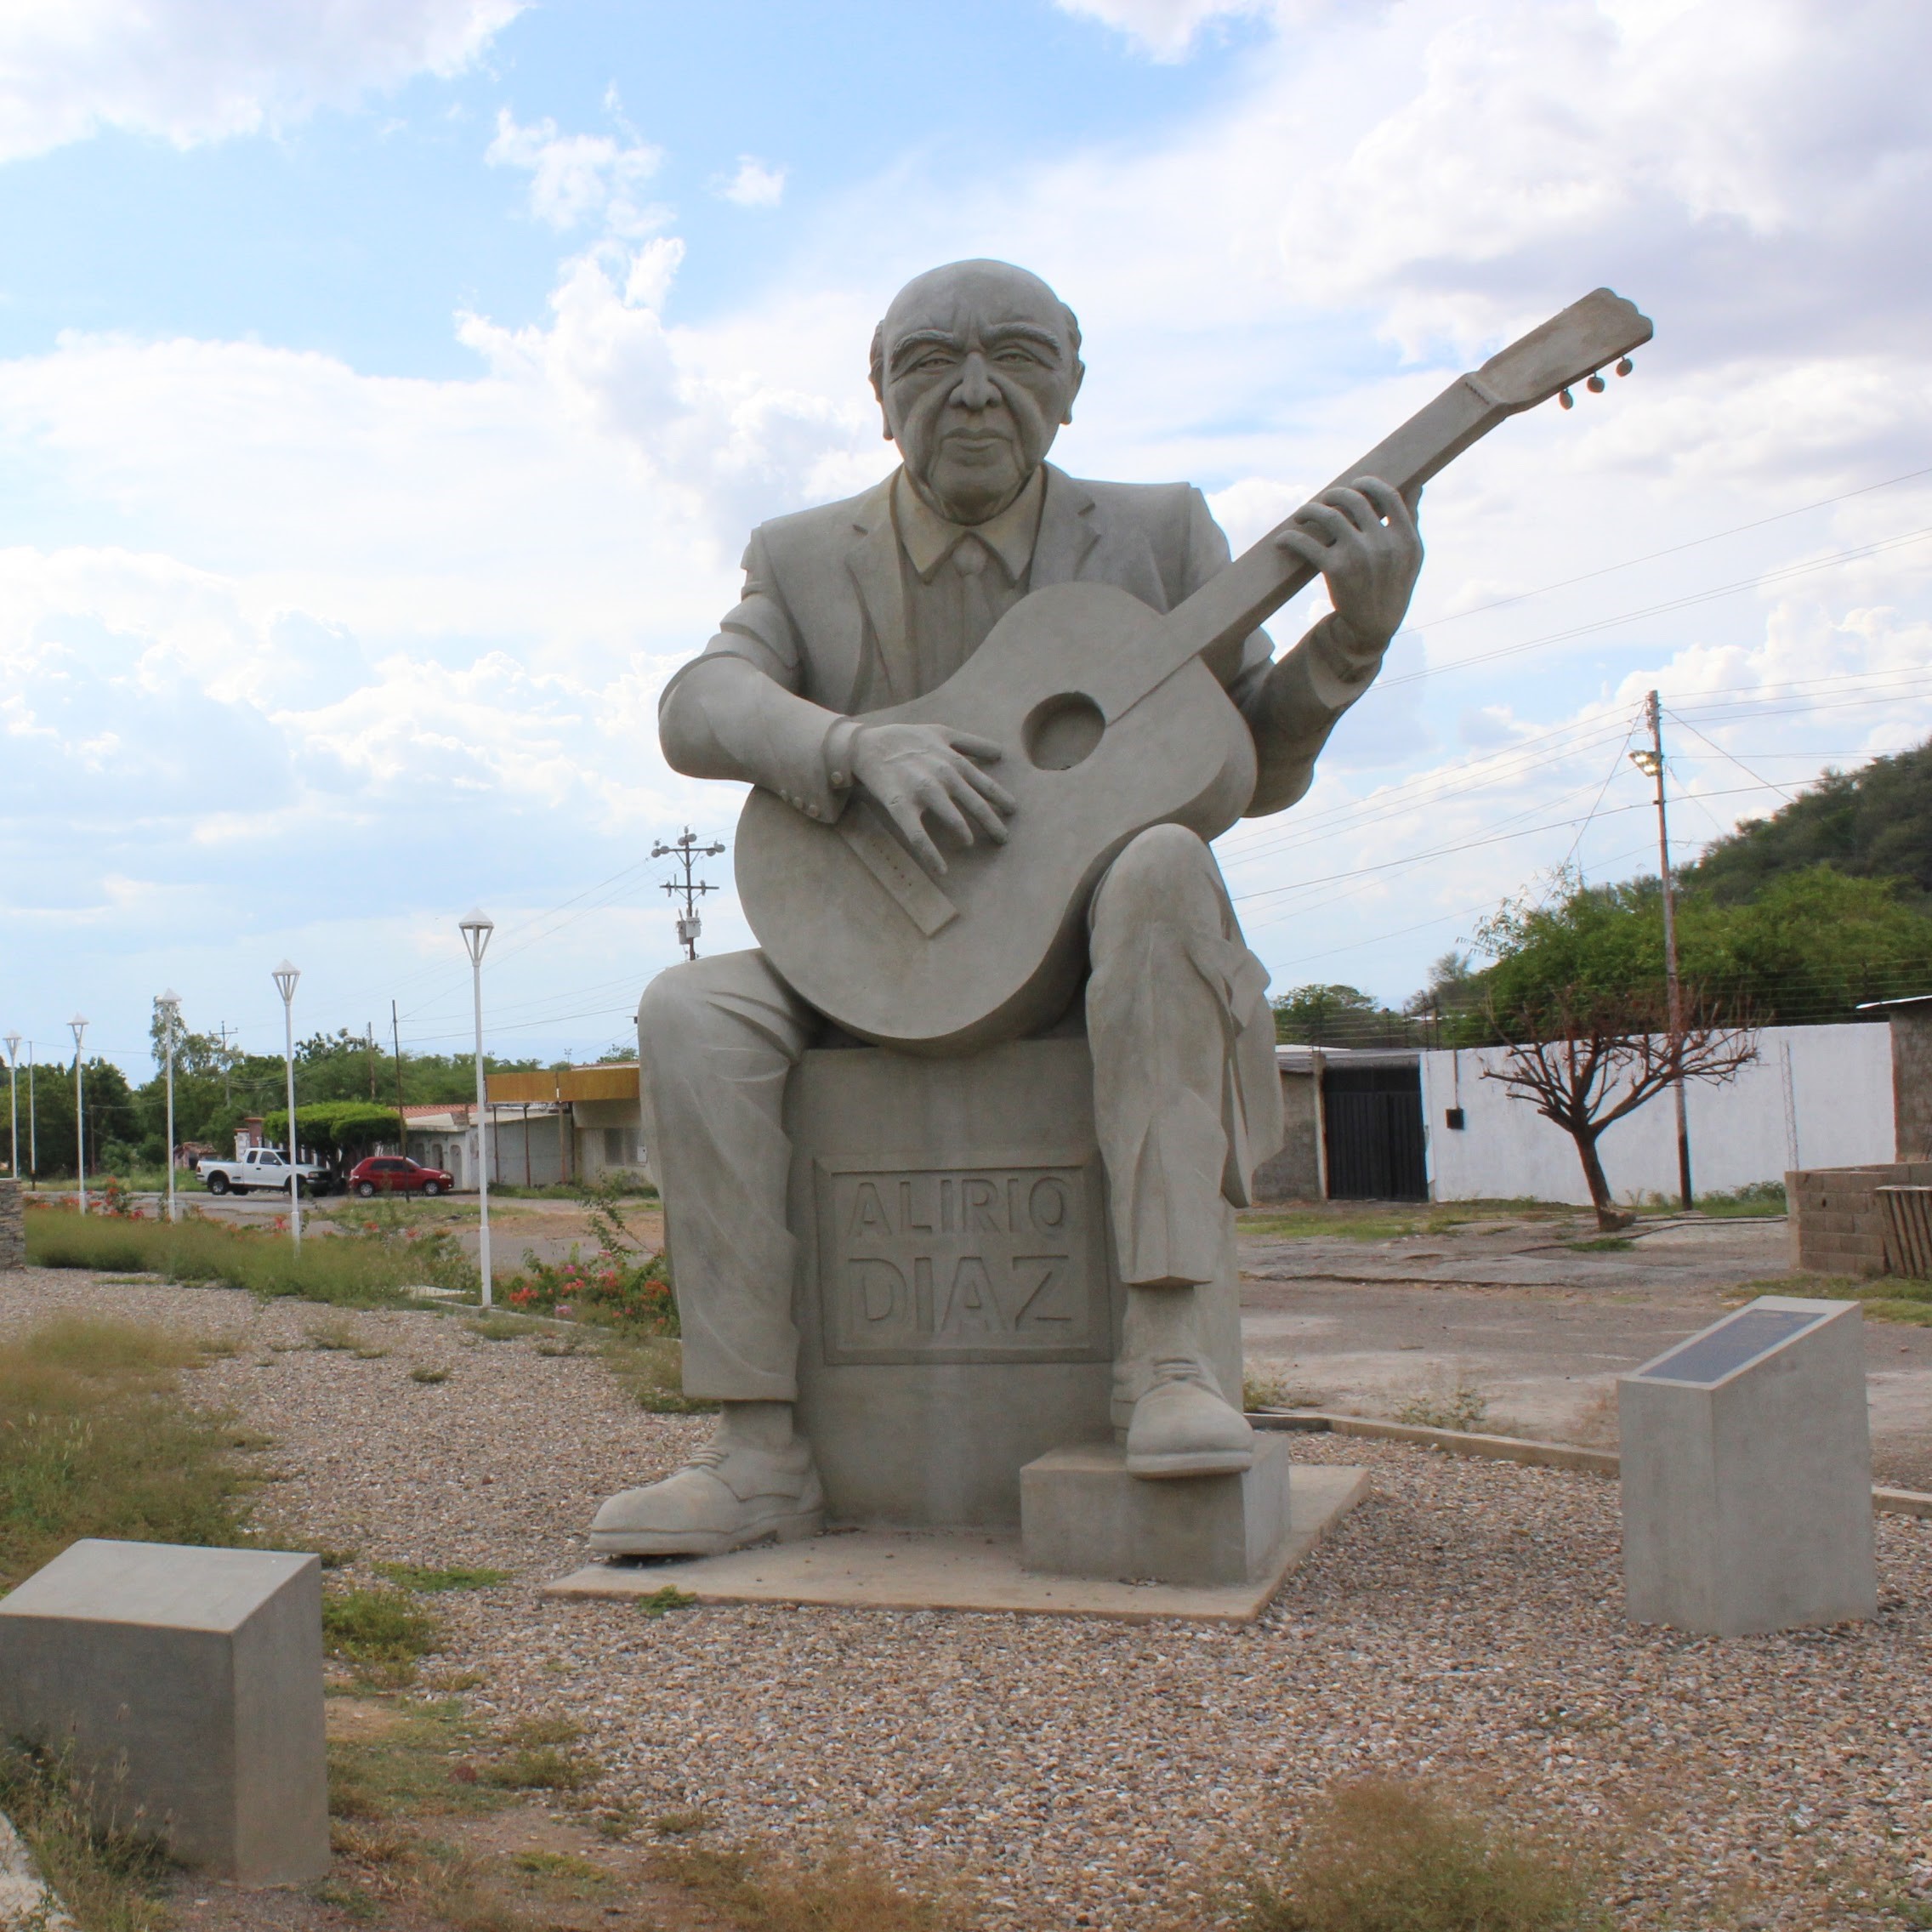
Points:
(429, 1377)
(95, 1440)
(651, 1368)
(1887, 1297)
(432, 1581)
(1382, 1856)
(500, 1327)
(382, 1633)
(409, 1765)
(1602, 1244)
(625, 1288)
(668, 1598)
(343, 1335)
(759, 1891)
(368, 1269)
(1465, 1410)
(1760, 1197)
(539, 1758)
(107, 1879)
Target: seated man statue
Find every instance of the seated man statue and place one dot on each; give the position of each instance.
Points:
(871, 602)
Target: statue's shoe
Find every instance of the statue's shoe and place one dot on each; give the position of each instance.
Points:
(724, 1498)
(1180, 1427)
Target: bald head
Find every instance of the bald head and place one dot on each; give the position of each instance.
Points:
(975, 365)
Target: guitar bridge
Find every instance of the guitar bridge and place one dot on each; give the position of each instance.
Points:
(906, 881)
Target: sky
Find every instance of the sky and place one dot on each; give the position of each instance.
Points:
(387, 391)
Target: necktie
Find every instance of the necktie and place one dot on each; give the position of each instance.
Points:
(976, 614)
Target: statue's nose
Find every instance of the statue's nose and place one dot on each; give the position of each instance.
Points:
(974, 390)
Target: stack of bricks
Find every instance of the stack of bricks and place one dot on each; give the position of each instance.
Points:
(1838, 1222)
(12, 1235)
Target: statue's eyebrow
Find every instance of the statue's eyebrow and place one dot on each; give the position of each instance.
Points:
(1001, 332)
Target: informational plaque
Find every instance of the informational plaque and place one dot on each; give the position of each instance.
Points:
(1706, 1359)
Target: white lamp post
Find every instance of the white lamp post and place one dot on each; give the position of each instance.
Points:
(33, 1127)
(79, 1026)
(13, 1104)
(285, 978)
(170, 1005)
(476, 929)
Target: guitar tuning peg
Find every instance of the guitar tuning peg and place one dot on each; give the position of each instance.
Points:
(1624, 366)
(1596, 385)
(1568, 401)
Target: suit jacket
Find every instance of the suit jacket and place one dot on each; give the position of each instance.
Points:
(821, 631)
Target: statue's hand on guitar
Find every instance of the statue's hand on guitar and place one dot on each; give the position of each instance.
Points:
(1363, 539)
(914, 771)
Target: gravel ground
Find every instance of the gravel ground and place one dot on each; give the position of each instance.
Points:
(1465, 1623)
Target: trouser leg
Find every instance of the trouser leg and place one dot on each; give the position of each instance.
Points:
(717, 1039)
(1186, 1097)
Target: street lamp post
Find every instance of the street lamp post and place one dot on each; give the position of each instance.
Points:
(13, 1104)
(285, 978)
(476, 929)
(79, 1026)
(170, 1005)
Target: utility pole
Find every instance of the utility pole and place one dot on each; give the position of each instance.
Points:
(687, 852)
(1652, 761)
(369, 1052)
(402, 1122)
(227, 1091)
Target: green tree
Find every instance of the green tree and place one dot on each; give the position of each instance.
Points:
(1338, 1016)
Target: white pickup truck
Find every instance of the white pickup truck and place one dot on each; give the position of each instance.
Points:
(262, 1167)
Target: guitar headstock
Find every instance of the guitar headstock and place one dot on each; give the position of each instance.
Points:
(1602, 328)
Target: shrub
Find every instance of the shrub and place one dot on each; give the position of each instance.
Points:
(624, 1287)
(1383, 1856)
(383, 1629)
(369, 1268)
(95, 1440)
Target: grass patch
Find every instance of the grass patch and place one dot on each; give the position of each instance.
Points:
(651, 1370)
(1383, 1221)
(410, 1577)
(667, 1598)
(342, 1334)
(410, 1766)
(108, 1880)
(500, 1327)
(429, 1377)
(1887, 1297)
(381, 1633)
(1761, 1197)
(538, 1757)
(95, 1440)
(1602, 1244)
(1465, 1410)
(367, 1269)
(760, 1891)
(1382, 1856)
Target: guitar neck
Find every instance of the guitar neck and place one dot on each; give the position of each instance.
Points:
(1265, 576)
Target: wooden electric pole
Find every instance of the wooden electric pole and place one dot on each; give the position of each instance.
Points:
(687, 851)
(1652, 761)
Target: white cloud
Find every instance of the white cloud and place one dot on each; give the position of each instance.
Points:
(1165, 29)
(754, 185)
(193, 70)
(576, 177)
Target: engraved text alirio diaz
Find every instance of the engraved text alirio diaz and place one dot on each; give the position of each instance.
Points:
(990, 1262)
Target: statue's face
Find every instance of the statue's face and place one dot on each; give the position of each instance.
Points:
(979, 372)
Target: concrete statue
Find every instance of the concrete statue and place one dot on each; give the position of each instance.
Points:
(994, 715)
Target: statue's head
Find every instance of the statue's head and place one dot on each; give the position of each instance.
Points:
(975, 367)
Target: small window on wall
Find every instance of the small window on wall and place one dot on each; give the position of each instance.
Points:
(613, 1146)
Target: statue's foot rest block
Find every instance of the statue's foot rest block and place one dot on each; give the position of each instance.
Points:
(1082, 1515)
(188, 1686)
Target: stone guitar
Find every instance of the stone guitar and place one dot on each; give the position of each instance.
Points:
(1109, 722)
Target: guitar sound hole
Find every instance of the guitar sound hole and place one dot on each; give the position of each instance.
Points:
(1063, 732)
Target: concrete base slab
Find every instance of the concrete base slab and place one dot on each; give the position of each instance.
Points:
(966, 1570)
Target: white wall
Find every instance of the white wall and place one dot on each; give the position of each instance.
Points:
(1840, 1115)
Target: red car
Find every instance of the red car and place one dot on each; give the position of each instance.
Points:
(391, 1173)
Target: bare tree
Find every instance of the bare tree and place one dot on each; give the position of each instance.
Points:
(1586, 1060)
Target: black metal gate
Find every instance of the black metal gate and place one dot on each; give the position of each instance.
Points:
(1373, 1115)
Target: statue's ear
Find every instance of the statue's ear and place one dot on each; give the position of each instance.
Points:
(877, 372)
(1079, 376)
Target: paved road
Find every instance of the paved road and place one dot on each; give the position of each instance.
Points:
(1536, 1328)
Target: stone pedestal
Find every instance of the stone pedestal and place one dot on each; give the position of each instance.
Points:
(188, 1683)
(957, 1305)
(1082, 1515)
(1746, 1473)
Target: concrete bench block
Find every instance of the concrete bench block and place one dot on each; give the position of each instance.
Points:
(13, 1229)
(188, 1683)
(1082, 1515)
(1746, 1473)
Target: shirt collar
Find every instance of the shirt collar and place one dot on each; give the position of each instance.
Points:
(928, 538)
